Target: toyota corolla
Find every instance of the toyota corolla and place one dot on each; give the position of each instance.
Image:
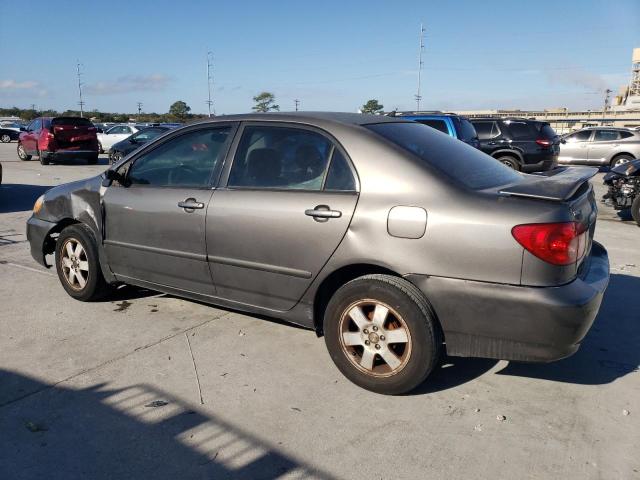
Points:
(392, 240)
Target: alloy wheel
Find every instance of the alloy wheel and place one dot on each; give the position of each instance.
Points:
(375, 338)
(5, 138)
(21, 152)
(74, 264)
(621, 161)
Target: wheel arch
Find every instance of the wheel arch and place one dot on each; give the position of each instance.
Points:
(333, 281)
(613, 157)
(508, 153)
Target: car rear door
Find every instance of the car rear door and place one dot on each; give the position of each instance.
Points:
(603, 143)
(282, 209)
(488, 135)
(155, 219)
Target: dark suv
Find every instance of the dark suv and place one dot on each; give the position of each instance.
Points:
(54, 138)
(449, 123)
(521, 144)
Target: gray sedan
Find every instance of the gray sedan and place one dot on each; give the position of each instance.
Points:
(600, 146)
(391, 239)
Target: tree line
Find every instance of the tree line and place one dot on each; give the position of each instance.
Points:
(179, 111)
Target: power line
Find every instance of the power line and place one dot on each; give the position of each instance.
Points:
(81, 102)
(418, 96)
(209, 102)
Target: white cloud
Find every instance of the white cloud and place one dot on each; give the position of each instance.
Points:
(129, 83)
(13, 85)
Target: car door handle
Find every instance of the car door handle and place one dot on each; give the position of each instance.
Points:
(190, 204)
(322, 213)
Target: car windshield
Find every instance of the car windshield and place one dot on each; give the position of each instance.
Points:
(453, 158)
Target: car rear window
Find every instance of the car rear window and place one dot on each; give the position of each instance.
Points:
(439, 125)
(520, 130)
(626, 134)
(546, 131)
(72, 121)
(466, 130)
(455, 159)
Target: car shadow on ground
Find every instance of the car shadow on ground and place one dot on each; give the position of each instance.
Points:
(139, 431)
(17, 197)
(609, 351)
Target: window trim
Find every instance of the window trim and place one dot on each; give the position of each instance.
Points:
(174, 133)
(223, 182)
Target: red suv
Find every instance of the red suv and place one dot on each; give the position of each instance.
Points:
(53, 138)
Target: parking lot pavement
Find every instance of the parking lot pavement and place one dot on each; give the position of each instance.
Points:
(147, 385)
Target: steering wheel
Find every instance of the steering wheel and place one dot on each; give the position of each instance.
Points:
(176, 174)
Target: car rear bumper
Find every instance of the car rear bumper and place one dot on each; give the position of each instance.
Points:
(511, 322)
(37, 234)
(70, 154)
(541, 166)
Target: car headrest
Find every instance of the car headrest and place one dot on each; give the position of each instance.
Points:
(264, 167)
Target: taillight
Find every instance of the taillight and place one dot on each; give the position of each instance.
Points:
(544, 142)
(555, 243)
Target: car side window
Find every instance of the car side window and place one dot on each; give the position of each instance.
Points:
(118, 130)
(484, 130)
(439, 125)
(582, 136)
(606, 135)
(184, 161)
(520, 130)
(280, 158)
(339, 177)
(625, 134)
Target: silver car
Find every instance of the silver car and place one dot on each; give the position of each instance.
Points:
(600, 146)
(393, 240)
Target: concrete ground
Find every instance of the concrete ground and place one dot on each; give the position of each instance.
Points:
(147, 385)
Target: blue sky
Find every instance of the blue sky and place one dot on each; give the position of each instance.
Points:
(332, 55)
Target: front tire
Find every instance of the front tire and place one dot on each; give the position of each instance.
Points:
(620, 160)
(635, 209)
(5, 138)
(382, 334)
(78, 265)
(22, 153)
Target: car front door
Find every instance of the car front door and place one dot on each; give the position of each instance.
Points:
(574, 148)
(155, 218)
(603, 143)
(282, 209)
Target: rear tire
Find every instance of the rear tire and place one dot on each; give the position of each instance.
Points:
(511, 162)
(44, 159)
(78, 265)
(22, 153)
(635, 209)
(620, 160)
(382, 334)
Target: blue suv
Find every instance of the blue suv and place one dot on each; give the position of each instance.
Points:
(449, 123)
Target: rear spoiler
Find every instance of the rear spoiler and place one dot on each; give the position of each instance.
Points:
(559, 184)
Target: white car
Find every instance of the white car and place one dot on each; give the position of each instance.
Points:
(115, 134)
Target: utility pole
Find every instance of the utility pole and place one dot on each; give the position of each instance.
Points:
(297, 102)
(209, 102)
(33, 107)
(418, 96)
(139, 108)
(81, 102)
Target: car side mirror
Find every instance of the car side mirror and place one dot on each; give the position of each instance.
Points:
(562, 140)
(133, 140)
(112, 175)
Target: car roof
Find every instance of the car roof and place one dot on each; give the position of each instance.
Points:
(342, 118)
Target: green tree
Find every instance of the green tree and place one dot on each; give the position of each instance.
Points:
(179, 109)
(372, 106)
(265, 102)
